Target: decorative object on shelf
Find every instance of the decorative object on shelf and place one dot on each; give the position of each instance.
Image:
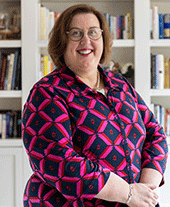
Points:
(128, 72)
(4, 23)
(113, 67)
(4, 20)
(10, 25)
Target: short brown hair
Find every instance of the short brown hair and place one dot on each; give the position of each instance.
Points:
(58, 38)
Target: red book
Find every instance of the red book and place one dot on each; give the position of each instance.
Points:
(3, 72)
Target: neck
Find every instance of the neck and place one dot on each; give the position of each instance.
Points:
(92, 79)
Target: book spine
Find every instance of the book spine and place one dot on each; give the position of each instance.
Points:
(151, 23)
(155, 23)
(3, 126)
(43, 26)
(156, 71)
(166, 26)
(166, 72)
(14, 69)
(45, 65)
(118, 28)
(161, 71)
(121, 26)
(153, 71)
(0, 125)
(10, 71)
(3, 72)
(161, 26)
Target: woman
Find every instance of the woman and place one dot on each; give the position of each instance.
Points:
(90, 138)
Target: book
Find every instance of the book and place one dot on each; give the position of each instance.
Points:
(3, 71)
(15, 65)
(43, 23)
(129, 26)
(166, 73)
(45, 65)
(151, 23)
(156, 86)
(153, 71)
(10, 71)
(18, 78)
(161, 26)
(7, 71)
(161, 71)
(118, 27)
(166, 26)
(0, 125)
(155, 29)
(3, 126)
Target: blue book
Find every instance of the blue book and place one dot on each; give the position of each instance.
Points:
(161, 26)
(16, 54)
(121, 25)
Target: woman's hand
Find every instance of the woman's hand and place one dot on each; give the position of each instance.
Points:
(143, 195)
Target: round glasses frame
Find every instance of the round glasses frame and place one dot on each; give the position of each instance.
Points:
(78, 38)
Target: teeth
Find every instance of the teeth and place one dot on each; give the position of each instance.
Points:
(85, 52)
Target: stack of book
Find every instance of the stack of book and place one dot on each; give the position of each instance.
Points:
(160, 24)
(163, 117)
(160, 71)
(10, 70)
(120, 26)
(46, 65)
(46, 21)
(10, 124)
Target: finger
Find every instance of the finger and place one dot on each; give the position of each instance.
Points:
(151, 186)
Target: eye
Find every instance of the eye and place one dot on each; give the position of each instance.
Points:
(92, 32)
(76, 33)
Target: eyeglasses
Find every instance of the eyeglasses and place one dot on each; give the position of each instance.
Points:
(76, 34)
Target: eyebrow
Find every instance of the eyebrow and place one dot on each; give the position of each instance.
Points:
(82, 29)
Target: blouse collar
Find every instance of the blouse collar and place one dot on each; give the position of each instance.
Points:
(78, 87)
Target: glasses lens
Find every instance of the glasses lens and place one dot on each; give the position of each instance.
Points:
(75, 34)
(94, 33)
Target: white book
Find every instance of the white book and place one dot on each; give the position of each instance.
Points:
(168, 125)
(126, 28)
(10, 71)
(0, 125)
(161, 71)
(43, 23)
(155, 23)
(51, 20)
(3, 126)
(38, 21)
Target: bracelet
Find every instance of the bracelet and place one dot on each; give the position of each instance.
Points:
(130, 194)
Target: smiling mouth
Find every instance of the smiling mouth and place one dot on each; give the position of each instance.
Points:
(85, 52)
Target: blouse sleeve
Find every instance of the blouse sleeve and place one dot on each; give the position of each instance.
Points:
(47, 136)
(155, 150)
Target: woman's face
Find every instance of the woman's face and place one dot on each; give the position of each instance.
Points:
(84, 55)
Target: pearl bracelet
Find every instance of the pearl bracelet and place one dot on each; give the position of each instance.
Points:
(130, 194)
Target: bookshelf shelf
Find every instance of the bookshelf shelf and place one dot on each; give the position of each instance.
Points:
(123, 43)
(10, 94)
(161, 97)
(160, 43)
(10, 43)
(86, 1)
(11, 142)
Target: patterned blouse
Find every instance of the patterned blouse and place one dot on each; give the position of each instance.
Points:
(75, 136)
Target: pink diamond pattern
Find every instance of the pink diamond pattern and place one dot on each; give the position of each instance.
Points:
(75, 137)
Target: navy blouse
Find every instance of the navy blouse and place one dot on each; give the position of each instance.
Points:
(75, 136)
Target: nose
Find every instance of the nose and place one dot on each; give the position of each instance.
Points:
(85, 38)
